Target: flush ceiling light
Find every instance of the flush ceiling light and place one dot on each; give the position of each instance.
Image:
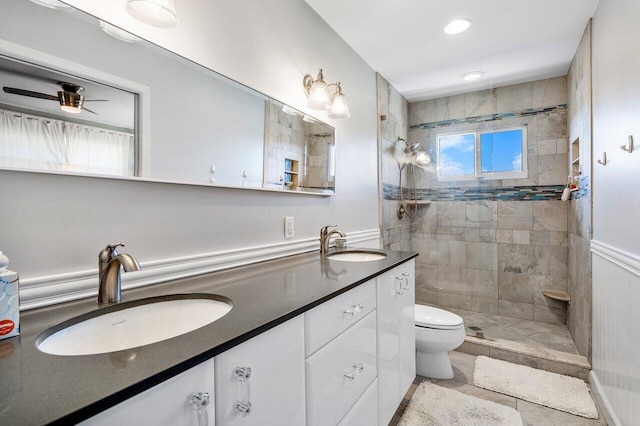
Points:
(319, 99)
(472, 76)
(288, 110)
(159, 13)
(457, 26)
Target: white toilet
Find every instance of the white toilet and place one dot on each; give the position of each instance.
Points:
(437, 333)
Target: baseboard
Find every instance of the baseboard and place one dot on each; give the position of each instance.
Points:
(47, 290)
(603, 402)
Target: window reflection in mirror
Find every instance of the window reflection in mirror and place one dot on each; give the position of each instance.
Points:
(193, 125)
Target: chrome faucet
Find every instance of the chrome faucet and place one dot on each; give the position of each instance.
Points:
(325, 236)
(109, 261)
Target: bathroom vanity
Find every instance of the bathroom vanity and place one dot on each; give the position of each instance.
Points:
(309, 340)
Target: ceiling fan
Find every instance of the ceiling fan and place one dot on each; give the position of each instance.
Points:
(71, 97)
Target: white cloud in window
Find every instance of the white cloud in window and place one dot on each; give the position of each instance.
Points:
(462, 143)
(450, 167)
(517, 162)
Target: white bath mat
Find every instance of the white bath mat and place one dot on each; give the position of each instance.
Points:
(433, 405)
(541, 387)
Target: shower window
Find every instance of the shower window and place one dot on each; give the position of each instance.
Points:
(492, 154)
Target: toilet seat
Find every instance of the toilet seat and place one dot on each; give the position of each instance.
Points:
(430, 317)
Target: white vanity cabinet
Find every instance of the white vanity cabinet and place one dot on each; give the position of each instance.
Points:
(396, 337)
(341, 363)
(261, 381)
(168, 403)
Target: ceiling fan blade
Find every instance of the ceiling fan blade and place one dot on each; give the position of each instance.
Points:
(97, 100)
(29, 93)
(88, 110)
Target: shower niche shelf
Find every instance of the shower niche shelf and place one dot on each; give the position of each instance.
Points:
(417, 202)
(561, 295)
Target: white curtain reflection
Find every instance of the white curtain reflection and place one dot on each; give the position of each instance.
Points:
(31, 142)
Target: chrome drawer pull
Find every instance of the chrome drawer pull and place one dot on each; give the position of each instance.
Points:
(242, 408)
(357, 368)
(354, 310)
(199, 401)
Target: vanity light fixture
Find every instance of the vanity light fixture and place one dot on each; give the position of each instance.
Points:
(319, 98)
(159, 13)
(472, 76)
(457, 26)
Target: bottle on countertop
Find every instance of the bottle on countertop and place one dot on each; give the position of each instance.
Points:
(9, 300)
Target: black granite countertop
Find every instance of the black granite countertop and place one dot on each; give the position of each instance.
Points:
(38, 388)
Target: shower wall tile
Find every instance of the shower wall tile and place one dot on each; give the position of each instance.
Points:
(481, 214)
(482, 256)
(472, 235)
(514, 98)
(521, 259)
(515, 309)
(559, 239)
(487, 235)
(422, 112)
(552, 126)
(451, 213)
(504, 236)
(539, 238)
(479, 103)
(522, 237)
(550, 216)
(515, 215)
(449, 108)
(549, 314)
(549, 92)
(515, 287)
(547, 147)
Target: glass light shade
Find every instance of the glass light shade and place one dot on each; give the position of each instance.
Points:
(318, 96)
(159, 13)
(71, 109)
(339, 107)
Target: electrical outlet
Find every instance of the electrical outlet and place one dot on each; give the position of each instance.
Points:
(288, 227)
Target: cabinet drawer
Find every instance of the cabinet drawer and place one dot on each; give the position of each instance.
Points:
(340, 372)
(365, 410)
(324, 322)
(164, 404)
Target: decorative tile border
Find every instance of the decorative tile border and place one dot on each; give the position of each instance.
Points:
(490, 117)
(583, 192)
(511, 193)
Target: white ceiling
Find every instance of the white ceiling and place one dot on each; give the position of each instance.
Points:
(511, 41)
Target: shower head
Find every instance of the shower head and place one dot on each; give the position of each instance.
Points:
(412, 148)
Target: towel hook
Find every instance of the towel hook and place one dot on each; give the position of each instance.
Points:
(629, 149)
(604, 159)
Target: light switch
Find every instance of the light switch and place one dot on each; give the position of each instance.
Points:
(288, 227)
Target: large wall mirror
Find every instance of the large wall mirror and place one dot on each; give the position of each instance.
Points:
(95, 100)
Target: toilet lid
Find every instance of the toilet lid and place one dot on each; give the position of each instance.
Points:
(428, 316)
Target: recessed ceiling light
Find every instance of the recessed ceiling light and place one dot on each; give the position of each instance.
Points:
(457, 26)
(472, 76)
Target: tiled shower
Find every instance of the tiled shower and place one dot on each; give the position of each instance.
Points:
(487, 247)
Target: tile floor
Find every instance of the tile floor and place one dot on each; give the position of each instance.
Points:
(534, 333)
(532, 414)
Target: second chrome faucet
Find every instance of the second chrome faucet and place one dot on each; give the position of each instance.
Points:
(325, 236)
(109, 262)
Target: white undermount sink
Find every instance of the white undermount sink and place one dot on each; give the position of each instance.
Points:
(133, 324)
(356, 256)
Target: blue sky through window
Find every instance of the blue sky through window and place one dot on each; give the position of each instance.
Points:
(501, 151)
(457, 154)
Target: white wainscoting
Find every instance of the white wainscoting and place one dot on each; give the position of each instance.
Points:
(615, 377)
(42, 291)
